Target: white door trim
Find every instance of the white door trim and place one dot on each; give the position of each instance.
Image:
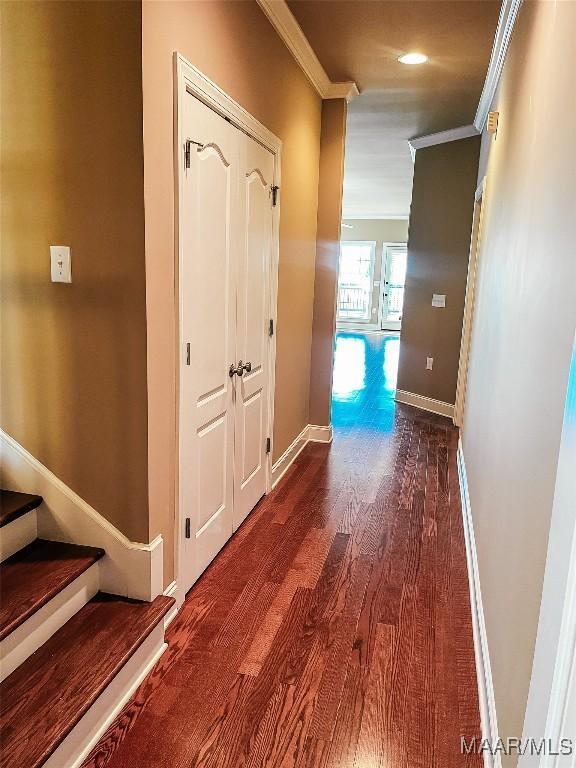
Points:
(469, 302)
(188, 79)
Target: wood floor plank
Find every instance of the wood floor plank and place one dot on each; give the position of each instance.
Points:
(334, 630)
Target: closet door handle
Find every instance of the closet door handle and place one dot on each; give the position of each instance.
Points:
(239, 370)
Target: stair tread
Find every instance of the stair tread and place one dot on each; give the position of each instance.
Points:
(42, 700)
(14, 505)
(35, 574)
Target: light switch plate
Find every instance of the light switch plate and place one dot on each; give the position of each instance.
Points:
(60, 264)
(438, 300)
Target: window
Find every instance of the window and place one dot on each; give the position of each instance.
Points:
(355, 281)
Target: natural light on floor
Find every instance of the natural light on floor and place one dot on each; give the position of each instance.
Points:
(364, 382)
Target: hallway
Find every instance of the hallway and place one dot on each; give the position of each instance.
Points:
(334, 629)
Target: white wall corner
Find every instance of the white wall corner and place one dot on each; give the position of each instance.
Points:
(129, 568)
(488, 719)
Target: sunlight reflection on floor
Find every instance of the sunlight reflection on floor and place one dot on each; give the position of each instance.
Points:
(364, 383)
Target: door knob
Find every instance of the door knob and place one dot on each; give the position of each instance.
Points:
(239, 370)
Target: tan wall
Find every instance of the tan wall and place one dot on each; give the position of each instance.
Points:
(327, 256)
(74, 356)
(438, 251)
(522, 340)
(233, 44)
(379, 231)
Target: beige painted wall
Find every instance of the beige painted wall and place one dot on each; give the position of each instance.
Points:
(233, 44)
(73, 379)
(438, 250)
(522, 340)
(380, 231)
(327, 256)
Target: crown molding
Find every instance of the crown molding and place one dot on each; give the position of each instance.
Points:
(442, 137)
(283, 21)
(506, 21)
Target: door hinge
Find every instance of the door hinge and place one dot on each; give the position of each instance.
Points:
(274, 189)
(268, 445)
(271, 327)
(187, 150)
(188, 353)
(187, 528)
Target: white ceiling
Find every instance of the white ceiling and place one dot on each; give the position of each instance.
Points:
(360, 40)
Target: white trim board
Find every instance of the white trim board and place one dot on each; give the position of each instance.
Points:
(173, 591)
(77, 745)
(19, 533)
(442, 137)
(488, 719)
(506, 21)
(312, 433)
(129, 568)
(425, 403)
(469, 304)
(283, 21)
(23, 641)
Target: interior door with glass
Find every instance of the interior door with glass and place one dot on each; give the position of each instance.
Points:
(355, 284)
(394, 258)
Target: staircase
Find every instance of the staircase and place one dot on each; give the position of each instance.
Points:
(71, 656)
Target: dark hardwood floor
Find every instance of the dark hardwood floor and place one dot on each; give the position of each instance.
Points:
(334, 629)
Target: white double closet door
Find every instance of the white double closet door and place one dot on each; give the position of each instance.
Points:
(225, 311)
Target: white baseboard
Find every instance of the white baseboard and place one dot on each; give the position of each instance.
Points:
(281, 465)
(488, 717)
(85, 735)
(35, 631)
(129, 568)
(173, 591)
(311, 433)
(318, 434)
(19, 533)
(425, 403)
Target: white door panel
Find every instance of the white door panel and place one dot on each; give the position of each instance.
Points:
(209, 327)
(225, 308)
(253, 313)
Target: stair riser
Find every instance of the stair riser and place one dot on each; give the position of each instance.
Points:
(30, 635)
(17, 534)
(89, 730)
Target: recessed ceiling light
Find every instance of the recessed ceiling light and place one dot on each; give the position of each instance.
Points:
(413, 58)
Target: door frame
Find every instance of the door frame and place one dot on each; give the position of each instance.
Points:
(188, 79)
(391, 325)
(469, 303)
